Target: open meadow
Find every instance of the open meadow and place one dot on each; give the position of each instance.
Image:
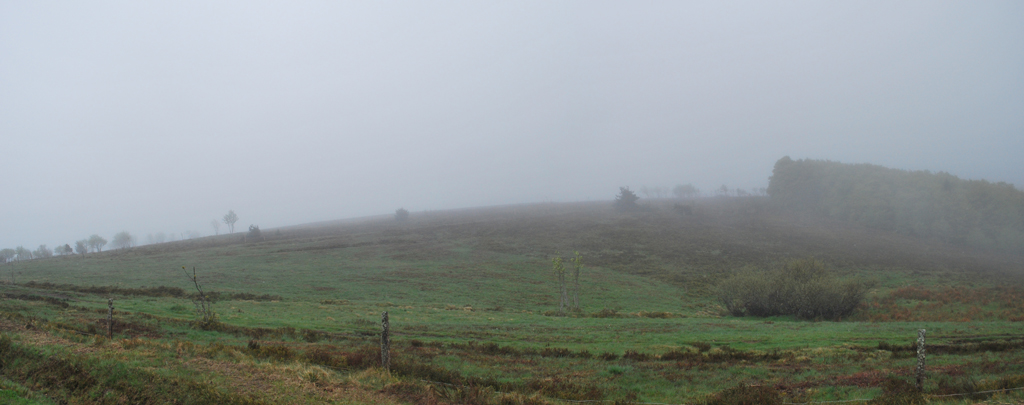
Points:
(473, 307)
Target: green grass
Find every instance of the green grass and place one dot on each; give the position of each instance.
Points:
(16, 394)
(474, 290)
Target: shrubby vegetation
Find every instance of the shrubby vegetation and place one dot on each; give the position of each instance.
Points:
(804, 288)
(96, 243)
(685, 191)
(920, 203)
(401, 215)
(43, 252)
(254, 232)
(626, 200)
(123, 240)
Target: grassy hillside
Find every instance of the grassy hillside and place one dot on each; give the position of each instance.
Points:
(471, 298)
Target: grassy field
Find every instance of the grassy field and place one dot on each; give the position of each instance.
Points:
(472, 299)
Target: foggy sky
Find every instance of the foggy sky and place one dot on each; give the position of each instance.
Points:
(161, 116)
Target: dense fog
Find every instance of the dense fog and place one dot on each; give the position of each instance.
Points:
(158, 118)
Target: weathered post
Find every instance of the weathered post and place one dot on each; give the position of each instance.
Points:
(920, 359)
(110, 318)
(385, 342)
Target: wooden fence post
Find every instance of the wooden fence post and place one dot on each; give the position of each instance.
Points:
(110, 318)
(385, 342)
(920, 359)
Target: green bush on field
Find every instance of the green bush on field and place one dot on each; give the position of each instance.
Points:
(804, 288)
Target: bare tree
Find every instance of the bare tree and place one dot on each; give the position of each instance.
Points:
(123, 240)
(63, 250)
(96, 243)
(22, 254)
(7, 254)
(230, 218)
(159, 237)
(204, 307)
(563, 296)
(82, 246)
(577, 265)
(216, 227)
(43, 252)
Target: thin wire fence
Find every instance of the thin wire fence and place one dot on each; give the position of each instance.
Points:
(582, 401)
(365, 335)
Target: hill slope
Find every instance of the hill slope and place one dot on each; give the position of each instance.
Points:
(685, 244)
(472, 301)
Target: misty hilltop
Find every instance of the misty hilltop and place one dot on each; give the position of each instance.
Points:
(158, 118)
(920, 203)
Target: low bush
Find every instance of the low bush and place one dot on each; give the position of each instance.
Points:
(254, 233)
(626, 200)
(803, 288)
(701, 346)
(896, 391)
(655, 314)
(635, 355)
(606, 313)
(159, 291)
(313, 336)
(28, 297)
(746, 395)
(401, 215)
(676, 355)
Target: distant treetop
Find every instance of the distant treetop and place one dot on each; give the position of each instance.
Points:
(626, 200)
(921, 203)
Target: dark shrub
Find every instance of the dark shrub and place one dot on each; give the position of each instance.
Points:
(254, 233)
(898, 392)
(312, 336)
(803, 288)
(606, 313)
(555, 352)
(701, 346)
(676, 355)
(323, 357)
(747, 395)
(655, 314)
(401, 215)
(635, 355)
(277, 352)
(626, 200)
